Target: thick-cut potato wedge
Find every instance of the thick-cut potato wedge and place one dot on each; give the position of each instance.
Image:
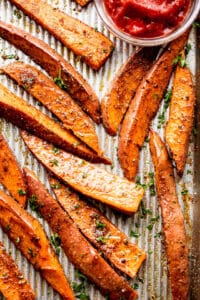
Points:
(13, 285)
(144, 107)
(29, 237)
(56, 100)
(93, 47)
(105, 236)
(85, 177)
(172, 217)
(76, 247)
(179, 125)
(10, 174)
(54, 64)
(23, 115)
(123, 88)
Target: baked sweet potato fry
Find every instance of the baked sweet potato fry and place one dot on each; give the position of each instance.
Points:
(144, 107)
(85, 177)
(76, 247)
(55, 65)
(105, 236)
(179, 125)
(56, 100)
(172, 217)
(10, 173)
(13, 285)
(93, 47)
(26, 116)
(29, 237)
(123, 88)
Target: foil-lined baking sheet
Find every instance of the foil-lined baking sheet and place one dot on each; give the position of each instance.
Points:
(152, 281)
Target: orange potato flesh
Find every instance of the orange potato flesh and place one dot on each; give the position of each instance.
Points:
(84, 41)
(144, 107)
(172, 218)
(87, 178)
(77, 248)
(10, 173)
(29, 237)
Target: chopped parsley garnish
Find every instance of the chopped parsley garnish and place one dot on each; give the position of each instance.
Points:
(180, 60)
(55, 150)
(79, 288)
(55, 240)
(136, 286)
(10, 56)
(100, 225)
(184, 192)
(102, 240)
(188, 47)
(145, 211)
(152, 222)
(161, 117)
(134, 234)
(55, 186)
(84, 175)
(21, 192)
(59, 81)
(34, 205)
(17, 13)
(31, 252)
(54, 162)
(151, 184)
(159, 234)
(196, 24)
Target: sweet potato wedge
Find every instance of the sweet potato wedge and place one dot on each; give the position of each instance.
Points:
(172, 217)
(144, 107)
(85, 177)
(13, 285)
(29, 237)
(56, 100)
(104, 235)
(55, 65)
(23, 115)
(123, 88)
(179, 125)
(10, 173)
(93, 47)
(76, 247)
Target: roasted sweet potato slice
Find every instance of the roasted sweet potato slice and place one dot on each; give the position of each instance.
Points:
(55, 65)
(172, 217)
(10, 173)
(13, 285)
(23, 115)
(105, 236)
(93, 47)
(179, 125)
(123, 87)
(29, 237)
(76, 247)
(85, 177)
(144, 107)
(56, 100)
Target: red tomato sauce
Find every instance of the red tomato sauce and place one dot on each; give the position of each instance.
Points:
(147, 18)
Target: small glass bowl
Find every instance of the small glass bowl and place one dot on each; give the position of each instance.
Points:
(138, 41)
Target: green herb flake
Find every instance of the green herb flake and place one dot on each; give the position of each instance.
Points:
(188, 47)
(54, 162)
(102, 240)
(158, 234)
(79, 288)
(150, 252)
(184, 192)
(136, 286)
(55, 240)
(55, 186)
(34, 205)
(196, 24)
(18, 14)
(59, 81)
(134, 234)
(180, 60)
(21, 192)
(31, 252)
(161, 116)
(100, 225)
(84, 175)
(55, 150)
(10, 56)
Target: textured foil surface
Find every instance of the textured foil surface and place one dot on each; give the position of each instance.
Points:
(152, 280)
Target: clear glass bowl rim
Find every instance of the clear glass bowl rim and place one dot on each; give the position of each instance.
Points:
(137, 41)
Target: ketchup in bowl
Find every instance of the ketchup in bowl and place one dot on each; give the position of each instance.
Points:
(147, 18)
